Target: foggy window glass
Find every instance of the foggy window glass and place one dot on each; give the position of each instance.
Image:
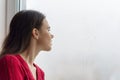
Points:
(86, 44)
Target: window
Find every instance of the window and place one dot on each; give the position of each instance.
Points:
(8, 9)
(87, 39)
(12, 7)
(2, 20)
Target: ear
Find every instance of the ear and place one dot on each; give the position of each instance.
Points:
(35, 33)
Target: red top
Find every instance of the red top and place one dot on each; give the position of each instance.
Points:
(13, 67)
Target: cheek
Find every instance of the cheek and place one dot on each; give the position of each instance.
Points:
(45, 43)
(45, 39)
(46, 35)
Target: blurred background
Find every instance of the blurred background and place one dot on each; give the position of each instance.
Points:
(86, 37)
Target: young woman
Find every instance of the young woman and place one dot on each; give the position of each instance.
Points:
(28, 35)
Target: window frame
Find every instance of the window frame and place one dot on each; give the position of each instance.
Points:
(12, 7)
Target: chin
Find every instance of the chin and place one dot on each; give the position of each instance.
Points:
(47, 49)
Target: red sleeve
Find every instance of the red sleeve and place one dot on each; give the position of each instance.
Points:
(10, 68)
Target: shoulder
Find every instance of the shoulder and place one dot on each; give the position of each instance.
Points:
(9, 59)
(10, 68)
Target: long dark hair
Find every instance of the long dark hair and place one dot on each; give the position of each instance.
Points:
(20, 31)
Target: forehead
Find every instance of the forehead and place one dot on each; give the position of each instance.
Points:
(45, 23)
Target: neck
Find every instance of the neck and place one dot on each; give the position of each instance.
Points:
(30, 54)
(29, 57)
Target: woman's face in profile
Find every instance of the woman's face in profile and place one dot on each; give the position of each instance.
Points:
(45, 40)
